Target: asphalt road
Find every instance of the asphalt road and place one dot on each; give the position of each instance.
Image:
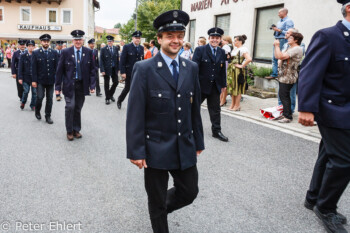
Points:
(254, 183)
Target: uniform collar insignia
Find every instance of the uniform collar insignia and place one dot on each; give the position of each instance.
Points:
(184, 63)
(72, 55)
(83, 54)
(160, 64)
(346, 33)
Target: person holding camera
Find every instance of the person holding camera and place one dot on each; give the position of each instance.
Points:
(280, 31)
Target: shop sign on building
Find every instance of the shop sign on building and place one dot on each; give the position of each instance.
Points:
(201, 5)
(39, 27)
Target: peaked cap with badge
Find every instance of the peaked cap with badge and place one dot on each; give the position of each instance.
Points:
(30, 42)
(21, 41)
(174, 20)
(137, 34)
(91, 41)
(45, 37)
(77, 34)
(215, 32)
(344, 2)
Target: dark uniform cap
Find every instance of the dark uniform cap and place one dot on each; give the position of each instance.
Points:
(137, 34)
(59, 42)
(174, 20)
(343, 1)
(21, 42)
(45, 37)
(215, 32)
(77, 34)
(110, 38)
(30, 42)
(91, 41)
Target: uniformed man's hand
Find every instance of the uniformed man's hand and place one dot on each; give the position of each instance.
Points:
(20, 81)
(123, 76)
(306, 118)
(223, 89)
(199, 152)
(92, 91)
(103, 73)
(140, 163)
(13, 76)
(34, 84)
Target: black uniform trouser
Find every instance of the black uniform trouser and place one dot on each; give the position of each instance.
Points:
(98, 88)
(213, 102)
(332, 169)
(19, 88)
(73, 108)
(126, 89)
(109, 91)
(284, 94)
(162, 201)
(42, 88)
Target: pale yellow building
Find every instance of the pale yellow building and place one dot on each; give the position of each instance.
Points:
(99, 31)
(28, 19)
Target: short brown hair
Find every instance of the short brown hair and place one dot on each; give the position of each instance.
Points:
(188, 45)
(228, 39)
(146, 44)
(298, 37)
(202, 40)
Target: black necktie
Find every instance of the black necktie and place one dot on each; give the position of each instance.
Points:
(78, 65)
(46, 53)
(175, 73)
(111, 50)
(214, 52)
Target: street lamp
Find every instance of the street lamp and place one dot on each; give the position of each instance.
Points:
(137, 3)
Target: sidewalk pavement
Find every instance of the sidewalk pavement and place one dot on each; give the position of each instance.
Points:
(250, 110)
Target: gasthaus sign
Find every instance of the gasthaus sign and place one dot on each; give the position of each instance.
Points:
(39, 27)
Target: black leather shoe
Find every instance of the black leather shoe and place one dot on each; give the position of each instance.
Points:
(112, 98)
(38, 115)
(220, 136)
(48, 120)
(330, 221)
(98, 94)
(310, 206)
(119, 105)
(108, 102)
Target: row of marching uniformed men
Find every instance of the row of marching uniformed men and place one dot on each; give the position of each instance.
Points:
(74, 71)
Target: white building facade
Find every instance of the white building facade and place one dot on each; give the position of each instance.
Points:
(254, 19)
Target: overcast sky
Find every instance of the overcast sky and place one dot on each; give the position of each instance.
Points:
(114, 11)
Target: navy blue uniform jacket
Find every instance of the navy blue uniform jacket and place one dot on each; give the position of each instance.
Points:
(164, 124)
(44, 67)
(24, 68)
(95, 56)
(212, 70)
(130, 55)
(66, 71)
(14, 62)
(107, 60)
(324, 81)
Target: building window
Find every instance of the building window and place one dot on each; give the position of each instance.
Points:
(223, 22)
(192, 31)
(26, 15)
(66, 16)
(51, 15)
(1, 14)
(264, 38)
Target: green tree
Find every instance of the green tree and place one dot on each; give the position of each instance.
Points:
(126, 30)
(103, 38)
(148, 10)
(118, 25)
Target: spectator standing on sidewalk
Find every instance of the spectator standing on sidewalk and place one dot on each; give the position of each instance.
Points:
(293, 91)
(146, 50)
(154, 49)
(288, 72)
(227, 47)
(187, 54)
(280, 31)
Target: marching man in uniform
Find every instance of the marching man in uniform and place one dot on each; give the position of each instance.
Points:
(212, 75)
(324, 96)
(44, 65)
(131, 54)
(91, 44)
(164, 127)
(14, 65)
(109, 66)
(76, 70)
